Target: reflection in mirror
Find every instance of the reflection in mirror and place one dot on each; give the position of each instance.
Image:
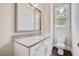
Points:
(28, 18)
(37, 20)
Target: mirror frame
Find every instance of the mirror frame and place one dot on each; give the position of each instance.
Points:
(16, 20)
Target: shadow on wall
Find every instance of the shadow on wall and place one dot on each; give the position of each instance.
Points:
(6, 50)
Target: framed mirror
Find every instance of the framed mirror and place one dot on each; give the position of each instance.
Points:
(27, 18)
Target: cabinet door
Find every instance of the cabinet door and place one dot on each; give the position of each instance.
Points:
(40, 53)
(34, 50)
(20, 50)
(48, 46)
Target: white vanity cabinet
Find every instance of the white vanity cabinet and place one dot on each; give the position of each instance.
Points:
(42, 47)
(20, 50)
(47, 44)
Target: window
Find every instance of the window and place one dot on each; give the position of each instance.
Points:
(61, 15)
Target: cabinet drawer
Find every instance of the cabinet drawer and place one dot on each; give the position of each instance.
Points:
(36, 49)
(40, 53)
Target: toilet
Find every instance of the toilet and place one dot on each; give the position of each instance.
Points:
(60, 44)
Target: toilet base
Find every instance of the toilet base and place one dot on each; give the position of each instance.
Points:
(60, 51)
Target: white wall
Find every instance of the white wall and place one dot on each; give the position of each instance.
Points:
(75, 28)
(52, 20)
(45, 17)
(6, 17)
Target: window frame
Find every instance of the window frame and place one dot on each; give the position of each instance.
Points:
(61, 6)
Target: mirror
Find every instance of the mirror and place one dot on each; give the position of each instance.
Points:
(27, 18)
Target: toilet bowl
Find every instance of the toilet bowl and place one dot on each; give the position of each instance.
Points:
(60, 45)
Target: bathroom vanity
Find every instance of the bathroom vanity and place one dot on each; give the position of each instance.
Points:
(28, 19)
(33, 46)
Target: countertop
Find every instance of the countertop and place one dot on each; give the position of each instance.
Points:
(30, 41)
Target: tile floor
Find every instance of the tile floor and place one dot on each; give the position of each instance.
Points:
(66, 52)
